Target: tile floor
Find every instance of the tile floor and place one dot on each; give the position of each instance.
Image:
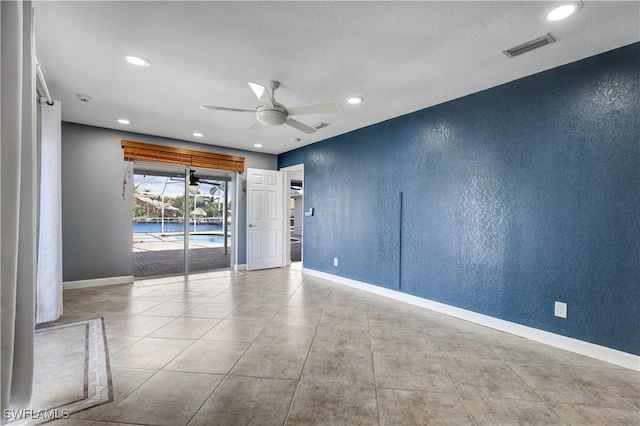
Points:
(276, 347)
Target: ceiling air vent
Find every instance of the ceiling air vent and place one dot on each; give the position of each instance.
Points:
(320, 125)
(529, 46)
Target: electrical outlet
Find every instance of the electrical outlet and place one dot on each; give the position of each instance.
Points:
(335, 261)
(560, 309)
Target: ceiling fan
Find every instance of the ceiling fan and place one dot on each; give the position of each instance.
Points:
(272, 113)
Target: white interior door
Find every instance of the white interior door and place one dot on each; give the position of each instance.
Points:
(265, 218)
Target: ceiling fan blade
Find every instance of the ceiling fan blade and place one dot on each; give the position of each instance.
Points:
(300, 126)
(313, 109)
(215, 108)
(251, 126)
(262, 93)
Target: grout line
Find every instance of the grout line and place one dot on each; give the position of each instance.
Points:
(444, 367)
(373, 364)
(304, 364)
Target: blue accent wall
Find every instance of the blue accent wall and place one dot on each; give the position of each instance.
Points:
(500, 202)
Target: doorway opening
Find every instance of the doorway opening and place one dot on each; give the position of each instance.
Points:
(295, 182)
(166, 208)
(295, 220)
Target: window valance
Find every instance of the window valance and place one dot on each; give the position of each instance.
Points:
(140, 151)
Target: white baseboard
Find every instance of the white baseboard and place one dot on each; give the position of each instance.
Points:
(603, 353)
(241, 267)
(126, 279)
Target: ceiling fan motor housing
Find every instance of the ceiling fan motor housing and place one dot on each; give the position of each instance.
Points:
(271, 116)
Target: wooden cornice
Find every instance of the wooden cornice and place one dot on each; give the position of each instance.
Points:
(140, 151)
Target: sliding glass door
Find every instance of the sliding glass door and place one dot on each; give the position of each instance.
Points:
(158, 224)
(209, 214)
(166, 208)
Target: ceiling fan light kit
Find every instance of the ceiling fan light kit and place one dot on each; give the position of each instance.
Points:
(271, 113)
(271, 116)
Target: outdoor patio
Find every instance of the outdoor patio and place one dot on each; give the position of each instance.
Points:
(155, 255)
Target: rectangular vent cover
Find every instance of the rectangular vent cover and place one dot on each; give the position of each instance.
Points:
(320, 125)
(529, 46)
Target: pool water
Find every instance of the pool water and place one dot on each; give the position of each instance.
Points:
(219, 239)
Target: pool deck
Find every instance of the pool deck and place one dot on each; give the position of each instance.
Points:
(155, 255)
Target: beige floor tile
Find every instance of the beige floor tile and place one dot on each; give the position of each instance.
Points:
(235, 331)
(393, 321)
(511, 412)
(209, 310)
(407, 407)
(625, 383)
(347, 305)
(160, 295)
(170, 309)
(410, 370)
(342, 338)
(150, 353)
(298, 315)
(212, 357)
(133, 307)
(230, 298)
(273, 361)
(255, 312)
(287, 334)
(194, 297)
(516, 350)
(344, 317)
(444, 324)
(285, 287)
(478, 378)
(571, 358)
(380, 317)
(139, 326)
(167, 398)
(564, 384)
(597, 416)
(352, 366)
(461, 346)
(71, 422)
(247, 401)
(185, 328)
(260, 332)
(399, 340)
(118, 343)
(307, 301)
(333, 403)
(124, 381)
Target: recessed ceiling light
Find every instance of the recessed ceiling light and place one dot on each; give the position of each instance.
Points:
(355, 100)
(198, 135)
(561, 11)
(258, 145)
(138, 60)
(123, 121)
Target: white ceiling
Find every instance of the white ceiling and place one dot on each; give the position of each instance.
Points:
(399, 56)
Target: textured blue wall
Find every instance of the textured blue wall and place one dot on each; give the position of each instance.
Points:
(512, 198)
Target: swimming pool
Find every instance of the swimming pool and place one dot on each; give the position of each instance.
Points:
(219, 239)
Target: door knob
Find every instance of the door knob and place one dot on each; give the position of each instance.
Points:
(250, 225)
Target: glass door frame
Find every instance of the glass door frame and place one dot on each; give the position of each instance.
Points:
(161, 169)
(226, 216)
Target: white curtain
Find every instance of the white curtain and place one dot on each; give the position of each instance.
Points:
(49, 281)
(18, 167)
